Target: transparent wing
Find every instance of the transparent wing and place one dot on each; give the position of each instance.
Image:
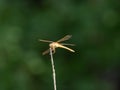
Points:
(65, 38)
(46, 52)
(67, 44)
(45, 40)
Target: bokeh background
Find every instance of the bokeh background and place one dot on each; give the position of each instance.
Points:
(95, 27)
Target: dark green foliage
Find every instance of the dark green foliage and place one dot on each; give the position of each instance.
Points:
(95, 26)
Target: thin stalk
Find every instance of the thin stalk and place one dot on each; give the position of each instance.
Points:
(53, 69)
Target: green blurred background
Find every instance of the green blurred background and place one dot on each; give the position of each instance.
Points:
(95, 26)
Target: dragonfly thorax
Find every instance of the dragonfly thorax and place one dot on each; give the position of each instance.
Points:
(54, 45)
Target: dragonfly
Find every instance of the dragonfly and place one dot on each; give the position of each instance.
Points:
(53, 45)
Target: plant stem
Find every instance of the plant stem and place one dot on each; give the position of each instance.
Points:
(53, 69)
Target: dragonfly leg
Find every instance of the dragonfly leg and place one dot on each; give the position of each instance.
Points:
(53, 51)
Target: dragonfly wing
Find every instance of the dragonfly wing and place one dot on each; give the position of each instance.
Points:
(65, 38)
(46, 52)
(45, 41)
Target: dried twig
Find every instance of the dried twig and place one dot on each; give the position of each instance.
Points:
(53, 69)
